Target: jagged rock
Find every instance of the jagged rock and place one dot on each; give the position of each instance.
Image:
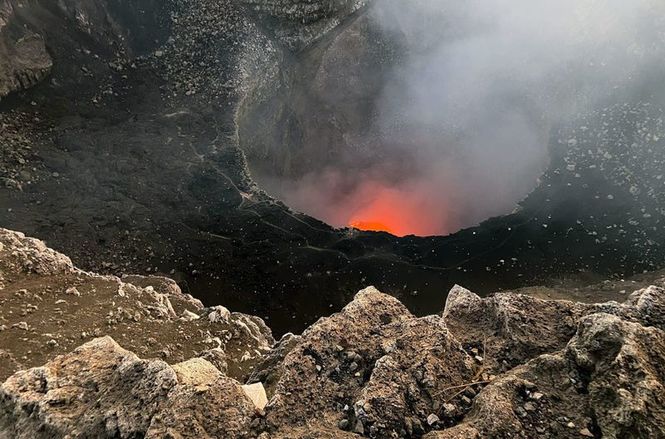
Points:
(376, 359)
(206, 404)
(298, 24)
(591, 384)
(268, 371)
(101, 390)
(424, 366)
(510, 329)
(143, 313)
(19, 254)
(217, 357)
(607, 351)
(373, 370)
(410, 375)
(315, 375)
(649, 304)
(181, 302)
(219, 314)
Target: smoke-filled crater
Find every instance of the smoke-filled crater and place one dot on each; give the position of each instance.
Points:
(431, 116)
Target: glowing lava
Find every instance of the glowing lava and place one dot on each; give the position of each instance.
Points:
(401, 212)
(371, 226)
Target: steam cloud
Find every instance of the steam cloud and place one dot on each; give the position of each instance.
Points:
(462, 126)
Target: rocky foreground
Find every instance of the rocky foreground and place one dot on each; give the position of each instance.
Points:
(505, 366)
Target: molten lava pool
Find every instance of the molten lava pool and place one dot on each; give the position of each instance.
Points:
(401, 212)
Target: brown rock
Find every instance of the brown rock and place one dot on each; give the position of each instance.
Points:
(101, 390)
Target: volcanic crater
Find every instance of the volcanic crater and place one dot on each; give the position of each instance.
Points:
(274, 158)
(160, 137)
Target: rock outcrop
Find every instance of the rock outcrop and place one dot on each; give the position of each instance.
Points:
(371, 368)
(48, 307)
(297, 24)
(607, 382)
(29, 32)
(24, 60)
(505, 366)
(511, 329)
(101, 390)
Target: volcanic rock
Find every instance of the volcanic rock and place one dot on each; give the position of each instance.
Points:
(24, 60)
(372, 365)
(485, 368)
(589, 383)
(296, 24)
(143, 313)
(510, 329)
(101, 390)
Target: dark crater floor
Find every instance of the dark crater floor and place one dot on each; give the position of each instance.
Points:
(127, 157)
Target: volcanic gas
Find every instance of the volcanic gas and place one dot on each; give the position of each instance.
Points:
(402, 211)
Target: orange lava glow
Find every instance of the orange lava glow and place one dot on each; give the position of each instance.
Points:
(371, 226)
(401, 212)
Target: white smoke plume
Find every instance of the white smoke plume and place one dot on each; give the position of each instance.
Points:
(465, 118)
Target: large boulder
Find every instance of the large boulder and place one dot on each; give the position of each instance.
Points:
(335, 357)
(372, 368)
(101, 390)
(207, 404)
(509, 329)
(607, 382)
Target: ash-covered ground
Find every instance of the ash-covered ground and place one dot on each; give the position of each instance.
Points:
(126, 143)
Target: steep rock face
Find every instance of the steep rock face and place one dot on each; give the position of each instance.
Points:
(341, 76)
(297, 24)
(28, 32)
(24, 60)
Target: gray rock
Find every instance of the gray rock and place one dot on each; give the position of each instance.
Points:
(101, 390)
